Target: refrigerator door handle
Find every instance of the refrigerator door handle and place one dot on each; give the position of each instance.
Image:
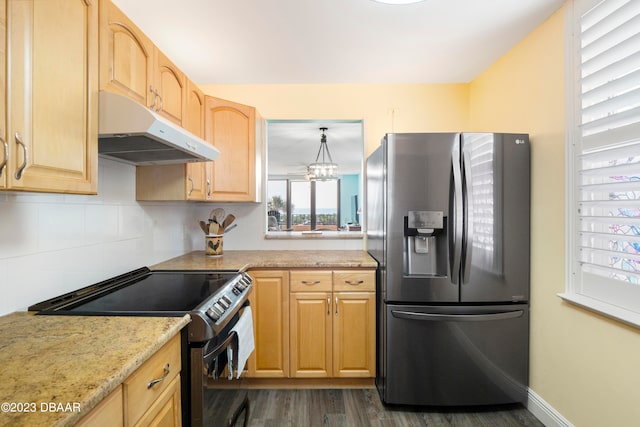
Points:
(501, 315)
(455, 239)
(468, 216)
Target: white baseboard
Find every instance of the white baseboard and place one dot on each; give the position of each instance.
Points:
(545, 412)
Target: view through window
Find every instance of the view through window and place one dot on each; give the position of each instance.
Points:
(300, 205)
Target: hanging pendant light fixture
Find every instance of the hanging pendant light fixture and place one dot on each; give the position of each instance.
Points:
(323, 169)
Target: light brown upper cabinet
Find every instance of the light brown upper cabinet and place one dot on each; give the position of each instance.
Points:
(126, 57)
(51, 96)
(131, 65)
(170, 87)
(199, 173)
(231, 127)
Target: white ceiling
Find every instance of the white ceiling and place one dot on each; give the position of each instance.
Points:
(335, 41)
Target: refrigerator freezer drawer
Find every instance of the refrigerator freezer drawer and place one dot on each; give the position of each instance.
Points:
(456, 355)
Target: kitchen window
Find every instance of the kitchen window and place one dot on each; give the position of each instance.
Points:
(301, 205)
(604, 158)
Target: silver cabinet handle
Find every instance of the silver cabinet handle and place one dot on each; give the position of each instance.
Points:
(167, 370)
(208, 188)
(22, 167)
(6, 155)
(354, 282)
(192, 186)
(328, 306)
(155, 105)
(308, 283)
(152, 107)
(336, 306)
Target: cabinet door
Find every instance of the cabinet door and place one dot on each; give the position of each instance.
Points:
(126, 56)
(270, 307)
(311, 320)
(108, 413)
(354, 334)
(170, 84)
(198, 173)
(231, 127)
(166, 410)
(52, 101)
(4, 147)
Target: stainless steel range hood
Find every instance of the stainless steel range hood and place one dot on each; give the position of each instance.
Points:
(133, 133)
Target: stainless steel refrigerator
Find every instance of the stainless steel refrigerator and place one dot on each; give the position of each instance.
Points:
(448, 223)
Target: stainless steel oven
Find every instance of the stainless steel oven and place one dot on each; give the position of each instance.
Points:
(215, 300)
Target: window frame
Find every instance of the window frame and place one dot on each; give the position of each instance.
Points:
(605, 302)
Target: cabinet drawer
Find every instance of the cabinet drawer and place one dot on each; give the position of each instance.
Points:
(310, 281)
(354, 280)
(138, 395)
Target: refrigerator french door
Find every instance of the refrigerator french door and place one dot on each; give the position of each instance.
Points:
(448, 223)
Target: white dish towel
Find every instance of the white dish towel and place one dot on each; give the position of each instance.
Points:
(244, 329)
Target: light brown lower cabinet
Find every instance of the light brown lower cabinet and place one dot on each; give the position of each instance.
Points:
(269, 300)
(108, 413)
(311, 335)
(354, 339)
(135, 403)
(315, 323)
(332, 334)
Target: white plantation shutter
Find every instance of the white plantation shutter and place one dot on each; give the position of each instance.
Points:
(605, 223)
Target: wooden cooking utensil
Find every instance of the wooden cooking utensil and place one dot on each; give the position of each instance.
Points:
(228, 220)
(214, 228)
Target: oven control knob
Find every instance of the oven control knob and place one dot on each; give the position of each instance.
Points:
(224, 304)
(226, 300)
(246, 280)
(213, 315)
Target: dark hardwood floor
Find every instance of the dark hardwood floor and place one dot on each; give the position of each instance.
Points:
(358, 407)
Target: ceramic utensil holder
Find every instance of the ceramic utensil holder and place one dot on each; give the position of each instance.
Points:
(213, 244)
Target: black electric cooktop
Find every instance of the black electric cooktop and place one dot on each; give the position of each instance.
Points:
(141, 292)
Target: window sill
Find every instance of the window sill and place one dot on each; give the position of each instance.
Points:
(285, 235)
(616, 313)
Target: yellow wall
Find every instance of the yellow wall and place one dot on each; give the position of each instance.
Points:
(383, 108)
(583, 365)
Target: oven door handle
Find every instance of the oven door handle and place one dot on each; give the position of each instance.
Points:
(230, 341)
(222, 347)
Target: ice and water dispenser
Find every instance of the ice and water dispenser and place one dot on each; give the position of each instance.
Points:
(425, 244)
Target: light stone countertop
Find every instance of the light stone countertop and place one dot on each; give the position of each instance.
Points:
(244, 260)
(71, 361)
